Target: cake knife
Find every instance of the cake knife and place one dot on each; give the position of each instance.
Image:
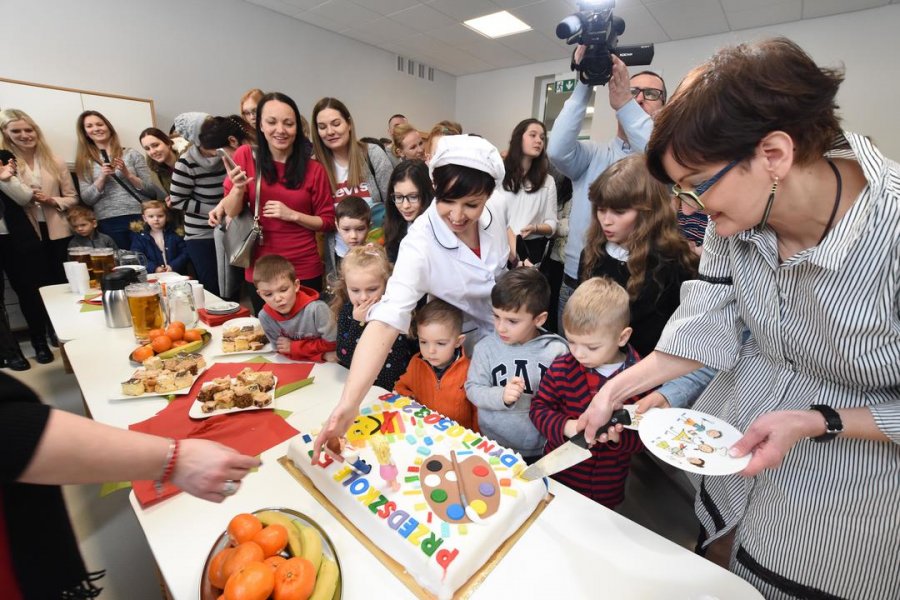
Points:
(572, 452)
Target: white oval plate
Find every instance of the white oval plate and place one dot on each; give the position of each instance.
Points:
(692, 441)
(223, 308)
(196, 410)
(241, 322)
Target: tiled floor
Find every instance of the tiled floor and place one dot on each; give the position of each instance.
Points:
(111, 538)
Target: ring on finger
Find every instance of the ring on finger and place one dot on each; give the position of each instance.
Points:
(230, 487)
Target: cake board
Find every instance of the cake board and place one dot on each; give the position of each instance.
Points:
(465, 591)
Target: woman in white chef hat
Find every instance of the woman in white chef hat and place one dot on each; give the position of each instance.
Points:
(453, 251)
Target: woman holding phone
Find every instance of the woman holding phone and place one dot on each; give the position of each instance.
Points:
(113, 180)
(45, 189)
(197, 186)
(294, 189)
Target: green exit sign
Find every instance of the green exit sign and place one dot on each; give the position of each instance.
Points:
(566, 85)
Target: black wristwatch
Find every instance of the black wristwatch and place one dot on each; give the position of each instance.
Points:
(833, 423)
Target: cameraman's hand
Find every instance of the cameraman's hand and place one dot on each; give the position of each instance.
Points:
(580, 49)
(619, 84)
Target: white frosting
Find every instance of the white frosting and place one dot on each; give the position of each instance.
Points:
(403, 523)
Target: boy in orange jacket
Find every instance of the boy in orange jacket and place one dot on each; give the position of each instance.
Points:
(436, 376)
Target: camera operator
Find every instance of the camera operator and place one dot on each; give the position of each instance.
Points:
(583, 162)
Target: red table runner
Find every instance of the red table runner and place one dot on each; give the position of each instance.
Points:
(250, 432)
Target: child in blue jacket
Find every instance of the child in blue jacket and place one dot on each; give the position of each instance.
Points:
(163, 247)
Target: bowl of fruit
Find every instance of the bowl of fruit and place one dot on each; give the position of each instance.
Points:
(170, 342)
(273, 553)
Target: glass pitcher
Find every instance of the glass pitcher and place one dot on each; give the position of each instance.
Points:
(180, 304)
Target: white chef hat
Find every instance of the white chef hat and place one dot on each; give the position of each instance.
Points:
(468, 151)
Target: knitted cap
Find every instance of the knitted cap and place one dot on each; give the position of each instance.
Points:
(188, 125)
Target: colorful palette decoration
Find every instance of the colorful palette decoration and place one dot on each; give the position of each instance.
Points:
(441, 487)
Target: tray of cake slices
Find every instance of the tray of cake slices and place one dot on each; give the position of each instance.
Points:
(160, 377)
(249, 390)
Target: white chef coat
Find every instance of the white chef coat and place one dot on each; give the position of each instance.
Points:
(433, 261)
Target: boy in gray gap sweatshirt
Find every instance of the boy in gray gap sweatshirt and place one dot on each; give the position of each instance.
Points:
(508, 365)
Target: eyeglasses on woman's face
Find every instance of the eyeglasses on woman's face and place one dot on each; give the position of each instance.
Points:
(692, 198)
(400, 198)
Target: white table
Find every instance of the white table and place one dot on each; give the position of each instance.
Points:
(70, 323)
(575, 549)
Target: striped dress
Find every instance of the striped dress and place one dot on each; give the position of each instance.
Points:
(824, 329)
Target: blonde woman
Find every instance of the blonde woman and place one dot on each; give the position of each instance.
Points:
(408, 143)
(113, 180)
(43, 187)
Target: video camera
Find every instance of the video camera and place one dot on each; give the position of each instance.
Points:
(598, 29)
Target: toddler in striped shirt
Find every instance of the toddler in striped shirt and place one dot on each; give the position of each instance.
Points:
(596, 324)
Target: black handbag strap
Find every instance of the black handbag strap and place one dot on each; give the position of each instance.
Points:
(127, 188)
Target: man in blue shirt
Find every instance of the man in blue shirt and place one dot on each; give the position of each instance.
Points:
(635, 100)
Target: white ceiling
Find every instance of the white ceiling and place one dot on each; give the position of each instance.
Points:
(432, 32)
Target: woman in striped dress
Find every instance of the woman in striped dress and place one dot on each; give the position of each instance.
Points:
(802, 251)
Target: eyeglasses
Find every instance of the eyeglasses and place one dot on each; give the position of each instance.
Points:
(692, 198)
(400, 199)
(250, 113)
(649, 93)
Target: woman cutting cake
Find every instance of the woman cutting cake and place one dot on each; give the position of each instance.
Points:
(453, 251)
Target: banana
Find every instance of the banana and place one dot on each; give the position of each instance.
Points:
(270, 517)
(185, 349)
(312, 544)
(326, 581)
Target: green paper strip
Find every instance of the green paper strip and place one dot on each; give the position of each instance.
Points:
(90, 308)
(284, 414)
(108, 488)
(290, 387)
(258, 359)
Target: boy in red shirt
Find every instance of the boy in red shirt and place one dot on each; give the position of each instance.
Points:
(596, 324)
(298, 324)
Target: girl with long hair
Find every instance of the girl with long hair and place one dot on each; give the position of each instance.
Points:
(527, 198)
(114, 180)
(634, 240)
(295, 190)
(411, 194)
(354, 168)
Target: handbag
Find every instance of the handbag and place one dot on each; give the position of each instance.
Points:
(244, 232)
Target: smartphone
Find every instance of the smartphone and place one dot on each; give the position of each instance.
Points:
(6, 156)
(229, 164)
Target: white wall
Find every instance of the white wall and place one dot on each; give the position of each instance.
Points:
(203, 55)
(865, 42)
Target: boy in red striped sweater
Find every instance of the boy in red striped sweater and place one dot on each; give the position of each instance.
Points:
(596, 324)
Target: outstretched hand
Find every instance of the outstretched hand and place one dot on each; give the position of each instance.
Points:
(337, 425)
(204, 466)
